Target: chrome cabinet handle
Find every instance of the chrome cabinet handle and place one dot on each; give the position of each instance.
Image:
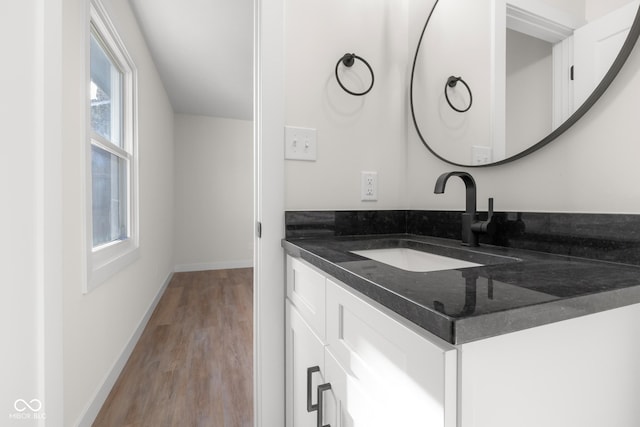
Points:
(321, 389)
(310, 371)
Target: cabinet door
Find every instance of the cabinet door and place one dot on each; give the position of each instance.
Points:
(349, 404)
(306, 290)
(411, 372)
(304, 350)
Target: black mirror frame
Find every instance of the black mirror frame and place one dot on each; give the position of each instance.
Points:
(608, 78)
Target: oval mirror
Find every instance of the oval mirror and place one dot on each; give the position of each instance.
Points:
(494, 80)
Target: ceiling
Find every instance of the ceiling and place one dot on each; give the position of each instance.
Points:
(203, 50)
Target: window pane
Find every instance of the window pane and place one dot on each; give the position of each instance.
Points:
(109, 196)
(106, 95)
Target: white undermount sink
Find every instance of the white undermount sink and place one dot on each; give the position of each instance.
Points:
(413, 260)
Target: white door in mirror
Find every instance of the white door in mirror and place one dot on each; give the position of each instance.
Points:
(596, 46)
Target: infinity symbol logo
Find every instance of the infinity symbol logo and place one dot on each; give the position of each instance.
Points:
(22, 405)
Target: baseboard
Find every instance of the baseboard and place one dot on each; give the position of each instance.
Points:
(90, 413)
(223, 265)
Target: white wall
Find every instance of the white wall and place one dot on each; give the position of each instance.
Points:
(24, 121)
(457, 42)
(214, 193)
(591, 168)
(529, 102)
(573, 7)
(355, 134)
(99, 325)
(597, 8)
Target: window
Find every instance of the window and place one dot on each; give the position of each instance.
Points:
(111, 154)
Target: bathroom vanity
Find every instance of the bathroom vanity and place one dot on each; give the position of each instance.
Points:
(509, 337)
(519, 338)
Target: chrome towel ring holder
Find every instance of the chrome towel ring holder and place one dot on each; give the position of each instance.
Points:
(451, 83)
(348, 59)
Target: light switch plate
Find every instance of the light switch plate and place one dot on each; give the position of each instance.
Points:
(300, 143)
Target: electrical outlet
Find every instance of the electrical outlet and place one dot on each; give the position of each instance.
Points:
(369, 186)
(480, 155)
(300, 143)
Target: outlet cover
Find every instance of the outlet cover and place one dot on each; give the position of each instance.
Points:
(369, 186)
(300, 143)
(481, 155)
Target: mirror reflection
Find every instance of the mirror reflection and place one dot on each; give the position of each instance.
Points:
(527, 65)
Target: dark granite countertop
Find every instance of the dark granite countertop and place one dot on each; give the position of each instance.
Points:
(514, 289)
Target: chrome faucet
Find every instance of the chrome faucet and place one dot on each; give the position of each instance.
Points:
(471, 226)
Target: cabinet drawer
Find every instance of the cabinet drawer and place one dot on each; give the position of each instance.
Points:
(413, 373)
(306, 291)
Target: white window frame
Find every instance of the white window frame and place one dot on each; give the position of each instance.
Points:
(105, 260)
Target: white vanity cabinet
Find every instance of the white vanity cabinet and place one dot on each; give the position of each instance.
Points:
(385, 371)
(582, 372)
(382, 370)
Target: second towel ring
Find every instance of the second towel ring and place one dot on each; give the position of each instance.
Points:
(348, 60)
(452, 82)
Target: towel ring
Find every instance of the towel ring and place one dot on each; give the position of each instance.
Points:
(348, 60)
(452, 82)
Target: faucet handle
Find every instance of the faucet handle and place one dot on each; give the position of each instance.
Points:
(487, 226)
(490, 213)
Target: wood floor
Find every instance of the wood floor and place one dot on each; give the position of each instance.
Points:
(193, 364)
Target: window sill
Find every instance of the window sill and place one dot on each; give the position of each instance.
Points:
(109, 260)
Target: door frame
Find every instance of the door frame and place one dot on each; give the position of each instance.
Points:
(268, 275)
